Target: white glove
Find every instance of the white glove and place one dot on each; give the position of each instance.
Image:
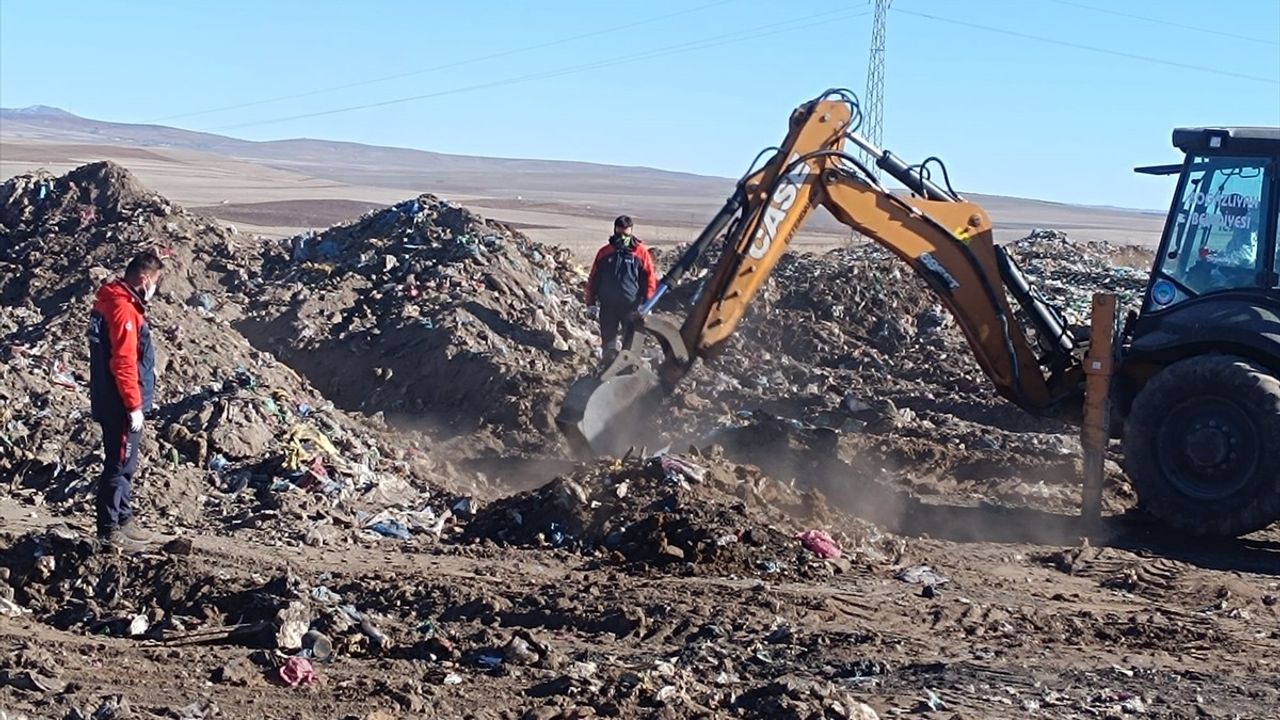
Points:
(135, 421)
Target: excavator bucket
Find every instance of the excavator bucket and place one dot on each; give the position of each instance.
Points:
(611, 412)
(605, 417)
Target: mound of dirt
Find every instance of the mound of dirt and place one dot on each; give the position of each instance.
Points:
(849, 351)
(427, 310)
(98, 192)
(228, 417)
(684, 513)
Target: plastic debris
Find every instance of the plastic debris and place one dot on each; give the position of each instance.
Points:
(302, 446)
(322, 594)
(921, 575)
(392, 529)
(138, 625)
(819, 543)
(296, 671)
(678, 469)
(489, 660)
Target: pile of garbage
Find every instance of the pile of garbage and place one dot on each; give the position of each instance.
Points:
(59, 577)
(1069, 272)
(292, 629)
(229, 417)
(427, 312)
(101, 192)
(860, 310)
(848, 349)
(688, 513)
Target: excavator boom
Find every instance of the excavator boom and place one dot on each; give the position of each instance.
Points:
(945, 239)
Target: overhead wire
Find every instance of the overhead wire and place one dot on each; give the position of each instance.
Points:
(1091, 48)
(446, 66)
(714, 41)
(1169, 23)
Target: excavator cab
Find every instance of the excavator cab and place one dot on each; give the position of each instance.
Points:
(1220, 232)
(1198, 379)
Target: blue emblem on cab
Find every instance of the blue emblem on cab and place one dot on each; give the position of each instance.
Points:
(1163, 292)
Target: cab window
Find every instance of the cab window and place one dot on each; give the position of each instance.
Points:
(1216, 241)
(1275, 229)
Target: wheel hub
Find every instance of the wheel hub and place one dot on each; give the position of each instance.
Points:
(1208, 448)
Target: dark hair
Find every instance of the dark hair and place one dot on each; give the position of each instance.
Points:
(143, 262)
(623, 221)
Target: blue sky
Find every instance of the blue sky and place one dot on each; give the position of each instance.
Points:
(699, 90)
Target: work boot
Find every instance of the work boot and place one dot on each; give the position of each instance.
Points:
(131, 531)
(116, 541)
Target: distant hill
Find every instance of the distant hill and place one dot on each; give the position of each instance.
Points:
(540, 194)
(346, 161)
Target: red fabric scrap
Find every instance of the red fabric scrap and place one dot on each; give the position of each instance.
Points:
(297, 671)
(819, 543)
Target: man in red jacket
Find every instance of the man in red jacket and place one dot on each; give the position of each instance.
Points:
(122, 385)
(622, 277)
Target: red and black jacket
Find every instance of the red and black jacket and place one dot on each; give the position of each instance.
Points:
(621, 274)
(122, 360)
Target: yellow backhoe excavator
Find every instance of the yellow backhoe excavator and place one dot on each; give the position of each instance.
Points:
(1189, 382)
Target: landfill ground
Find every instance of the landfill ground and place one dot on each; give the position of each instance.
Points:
(369, 513)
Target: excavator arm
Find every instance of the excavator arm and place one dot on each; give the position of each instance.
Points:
(945, 239)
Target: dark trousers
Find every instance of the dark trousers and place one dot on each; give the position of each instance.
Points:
(612, 318)
(119, 463)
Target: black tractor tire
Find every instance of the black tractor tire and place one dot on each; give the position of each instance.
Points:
(1202, 446)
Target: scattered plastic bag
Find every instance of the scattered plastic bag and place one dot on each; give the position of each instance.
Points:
(302, 444)
(820, 543)
(297, 671)
(678, 469)
(921, 575)
(392, 529)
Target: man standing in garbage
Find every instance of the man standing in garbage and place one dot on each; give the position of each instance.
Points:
(121, 389)
(622, 277)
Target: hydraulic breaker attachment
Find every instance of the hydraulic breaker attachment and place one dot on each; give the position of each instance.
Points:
(1099, 366)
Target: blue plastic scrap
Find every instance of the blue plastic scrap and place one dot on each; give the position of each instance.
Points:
(392, 529)
(555, 535)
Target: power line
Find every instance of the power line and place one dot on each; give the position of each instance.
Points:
(1105, 51)
(446, 66)
(1169, 23)
(714, 41)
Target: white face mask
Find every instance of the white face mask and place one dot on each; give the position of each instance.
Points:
(149, 292)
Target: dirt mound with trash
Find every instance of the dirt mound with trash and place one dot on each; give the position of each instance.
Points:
(97, 192)
(827, 323)
(238, 439)
(683, 513)
(431, 315)
(849, 353)
(322, 572)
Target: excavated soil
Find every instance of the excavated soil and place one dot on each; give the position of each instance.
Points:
(368, 514)
(428, 313)
(240, 440)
